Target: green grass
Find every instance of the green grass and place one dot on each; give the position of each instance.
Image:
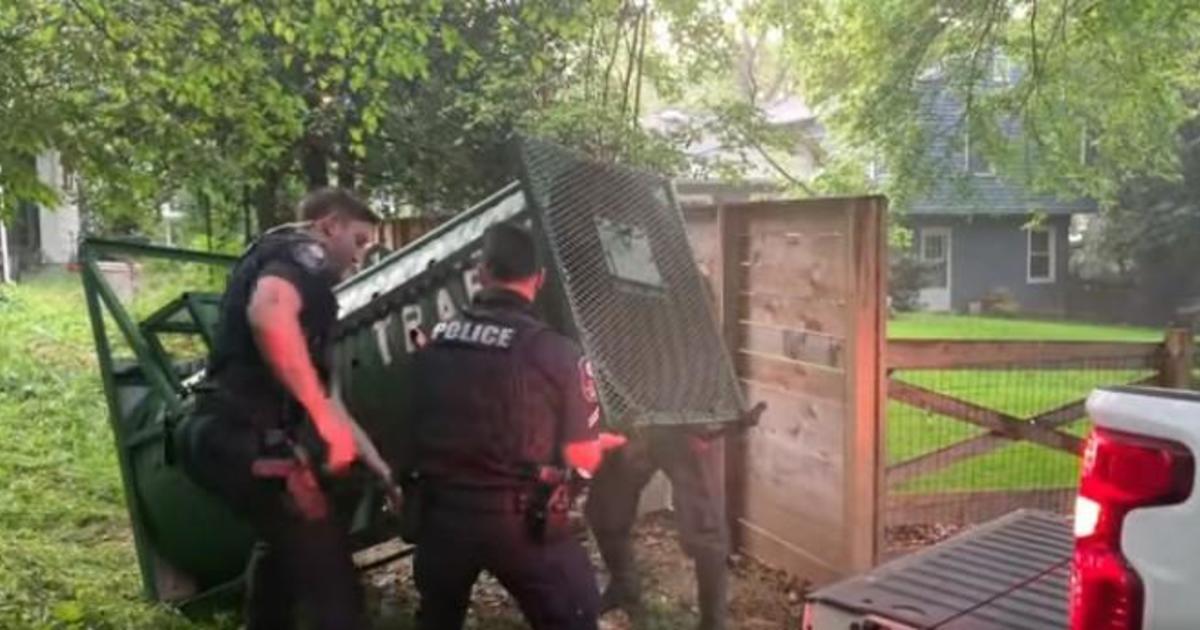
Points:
(1020, 393)
(941, 326)
(66, 556)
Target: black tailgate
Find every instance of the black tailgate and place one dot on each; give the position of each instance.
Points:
(1010, 573)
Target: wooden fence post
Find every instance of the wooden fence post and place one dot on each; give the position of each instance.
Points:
(1178, 352)
(730, 225)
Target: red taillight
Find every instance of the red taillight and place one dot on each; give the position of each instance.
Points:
(1121, 472)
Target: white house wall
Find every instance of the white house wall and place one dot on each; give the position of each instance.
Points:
(59, 226)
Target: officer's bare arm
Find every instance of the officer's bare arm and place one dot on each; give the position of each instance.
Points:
(274, 316)
(586, 456)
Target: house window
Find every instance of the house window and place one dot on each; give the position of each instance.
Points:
(1041, 255)
(975, 163)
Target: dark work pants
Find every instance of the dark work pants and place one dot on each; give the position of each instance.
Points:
(297, 561)
(696, 471)
(554, 583)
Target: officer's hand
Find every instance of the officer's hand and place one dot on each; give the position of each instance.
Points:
(339, 440)
(610, 441)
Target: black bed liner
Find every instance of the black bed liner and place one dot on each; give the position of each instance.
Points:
(1011, 573)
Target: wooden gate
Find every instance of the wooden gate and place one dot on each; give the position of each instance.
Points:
(800, 290)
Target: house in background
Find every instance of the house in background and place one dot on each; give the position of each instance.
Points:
(983, 238)
(38, 235)
(761, 174)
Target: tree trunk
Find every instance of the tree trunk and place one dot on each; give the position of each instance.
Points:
(267, 205)
(347, 173)
(314, 163)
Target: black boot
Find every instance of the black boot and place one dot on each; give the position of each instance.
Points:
(624, 588)
(268, 604)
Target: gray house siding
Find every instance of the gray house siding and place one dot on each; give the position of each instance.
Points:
(991, 252)
(985, 213)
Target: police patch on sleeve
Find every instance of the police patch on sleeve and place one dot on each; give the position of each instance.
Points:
(310, 255)
(587, 381)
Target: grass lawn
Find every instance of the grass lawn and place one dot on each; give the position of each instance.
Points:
(1021, 393)
(941, 326)
(66, 555)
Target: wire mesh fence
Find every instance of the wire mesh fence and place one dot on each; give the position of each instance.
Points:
(971, 441)
(637, 298)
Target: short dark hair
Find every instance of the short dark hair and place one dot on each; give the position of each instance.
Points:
(508, 252)
(322, 202)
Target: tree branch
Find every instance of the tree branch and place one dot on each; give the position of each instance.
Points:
(612, 59)
(103, 28)
(631, 50)
(779, 168)
(637, 97)
(1035, 69)
(587, 62)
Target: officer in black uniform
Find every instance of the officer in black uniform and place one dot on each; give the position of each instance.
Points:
(505, 413)
(694, 463)
(266, 390)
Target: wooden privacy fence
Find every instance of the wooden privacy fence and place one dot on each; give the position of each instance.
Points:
(957, 474)
(799, 290)
(799, 287)
(396, 233)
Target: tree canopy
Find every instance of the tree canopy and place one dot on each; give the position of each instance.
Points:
(1108, 80)
(237, 103)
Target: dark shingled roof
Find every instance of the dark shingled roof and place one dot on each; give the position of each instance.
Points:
(954, 191)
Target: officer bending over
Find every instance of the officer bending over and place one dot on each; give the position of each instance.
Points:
(694, 463)
(267, 389)
(505, 413)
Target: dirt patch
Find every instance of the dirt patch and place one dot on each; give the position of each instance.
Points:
(903, 539)
(762, 598)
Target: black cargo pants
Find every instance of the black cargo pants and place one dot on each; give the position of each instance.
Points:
(553, 583)
(297, 561)
(695, 468)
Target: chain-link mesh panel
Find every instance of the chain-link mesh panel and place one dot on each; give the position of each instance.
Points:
(637, 297)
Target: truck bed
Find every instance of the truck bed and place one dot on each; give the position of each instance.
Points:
(1008, 574)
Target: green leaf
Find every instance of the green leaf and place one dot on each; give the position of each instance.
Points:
(69, 612)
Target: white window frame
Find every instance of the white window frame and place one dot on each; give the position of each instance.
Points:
(1051, 249)
(947, 247)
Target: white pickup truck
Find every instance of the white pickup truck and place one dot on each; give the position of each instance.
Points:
(1131, 561)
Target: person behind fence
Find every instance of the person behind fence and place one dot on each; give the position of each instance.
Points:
(505, 414)
(264, 422)
(693, 461)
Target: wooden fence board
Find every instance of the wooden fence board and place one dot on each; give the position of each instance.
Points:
(794, 376)
(799, 345)
(823, 316)
(804, 484)
(972, 507)
(976, 446)
(812, 423)
(781, 264)
(867, 398)
(1004, 424)
(760, 542)
(962, 354)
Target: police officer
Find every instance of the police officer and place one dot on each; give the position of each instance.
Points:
(266, 391)
(505, 411)
(694, 463)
